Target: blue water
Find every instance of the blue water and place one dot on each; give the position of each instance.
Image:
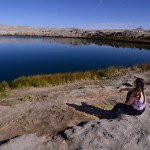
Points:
(23, 56)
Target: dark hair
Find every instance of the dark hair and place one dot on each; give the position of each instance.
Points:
(139, 83)
(139, 87)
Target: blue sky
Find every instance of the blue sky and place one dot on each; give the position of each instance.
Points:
(92, 14)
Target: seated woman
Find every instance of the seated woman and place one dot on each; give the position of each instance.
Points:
(135, 103)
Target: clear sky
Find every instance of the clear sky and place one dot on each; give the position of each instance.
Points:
(98, 14)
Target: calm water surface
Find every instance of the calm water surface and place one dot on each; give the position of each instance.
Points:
(23, 56)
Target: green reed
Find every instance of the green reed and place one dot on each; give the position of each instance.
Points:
(64, 78)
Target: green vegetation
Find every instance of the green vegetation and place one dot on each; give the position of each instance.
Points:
(51, 80)
(59, 79)
(142, 67)
(110, 72)
(4, 94)
(4, 86)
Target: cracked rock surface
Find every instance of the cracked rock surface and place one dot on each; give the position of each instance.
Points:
(125, 132)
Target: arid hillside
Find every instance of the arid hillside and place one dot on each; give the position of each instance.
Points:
(132, 35)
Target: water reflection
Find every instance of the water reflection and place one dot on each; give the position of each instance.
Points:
(73, 41)
(23, 56)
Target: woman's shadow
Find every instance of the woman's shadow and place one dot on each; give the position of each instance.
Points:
(92, 110)
(98, 112)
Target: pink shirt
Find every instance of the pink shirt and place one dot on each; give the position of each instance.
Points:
(139, 104)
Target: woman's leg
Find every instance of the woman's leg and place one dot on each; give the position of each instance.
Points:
(138, 112)
(124, 107)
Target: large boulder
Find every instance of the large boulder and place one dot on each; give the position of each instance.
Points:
(124, 132)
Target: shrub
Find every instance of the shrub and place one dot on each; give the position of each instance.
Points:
(52, 79)
(4, 86)
(110, 72)
(144, 67)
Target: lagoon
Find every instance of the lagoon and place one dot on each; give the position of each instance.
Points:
(24, 56)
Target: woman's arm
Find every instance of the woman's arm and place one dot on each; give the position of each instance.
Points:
(127, 89)
(131, 101)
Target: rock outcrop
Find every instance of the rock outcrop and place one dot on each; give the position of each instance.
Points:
(33, 142)
(122, 133)
(125, 132)
(72, 117)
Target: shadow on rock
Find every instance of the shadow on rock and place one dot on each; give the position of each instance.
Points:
(92, 110)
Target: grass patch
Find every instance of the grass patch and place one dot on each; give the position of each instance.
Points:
(106, 107)
(1, 125)
(4, 94)
(88, 116)
(64, 78)
(110, 72)
(4, 86)
(51, 80)
(141, 67)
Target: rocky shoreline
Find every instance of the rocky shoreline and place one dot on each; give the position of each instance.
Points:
(133, 35)
(71, 117)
